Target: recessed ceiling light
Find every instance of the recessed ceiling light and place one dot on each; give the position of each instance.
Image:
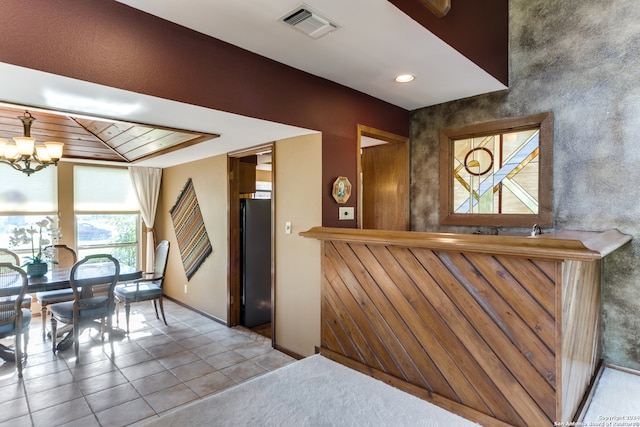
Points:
(405, 78)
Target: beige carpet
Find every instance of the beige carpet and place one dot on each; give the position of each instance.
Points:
(616, 400)
(311, 392)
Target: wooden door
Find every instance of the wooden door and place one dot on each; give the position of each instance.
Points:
(385, 186)
(233, 303)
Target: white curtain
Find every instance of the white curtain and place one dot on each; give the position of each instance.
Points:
(146, 183)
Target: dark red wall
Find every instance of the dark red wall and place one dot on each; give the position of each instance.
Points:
(479, 29)
(109, 43)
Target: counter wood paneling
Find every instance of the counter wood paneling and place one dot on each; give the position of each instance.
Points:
(500, 328)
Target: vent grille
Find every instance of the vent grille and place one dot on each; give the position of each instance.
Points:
(310, 22)
(297, 17)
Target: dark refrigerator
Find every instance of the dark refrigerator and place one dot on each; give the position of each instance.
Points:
(255, 263)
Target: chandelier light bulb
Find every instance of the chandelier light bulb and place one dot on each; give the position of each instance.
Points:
(42, 153)
(11, 152)
(54, 149)
(25, 145)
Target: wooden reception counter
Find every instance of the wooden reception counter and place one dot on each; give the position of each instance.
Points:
(499, 329)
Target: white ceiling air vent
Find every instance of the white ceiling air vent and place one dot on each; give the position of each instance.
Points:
(309, 22)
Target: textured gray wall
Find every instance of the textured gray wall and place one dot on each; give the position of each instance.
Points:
(581, 60)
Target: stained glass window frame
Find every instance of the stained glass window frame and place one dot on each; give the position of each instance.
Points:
(450, 166)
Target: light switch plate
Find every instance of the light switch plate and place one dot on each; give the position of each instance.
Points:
(346, 213)
(287, 227)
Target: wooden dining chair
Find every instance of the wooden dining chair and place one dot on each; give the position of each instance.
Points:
(14, 319)
(11, 257)
(146, 289)
(86, 308)
(64, 257)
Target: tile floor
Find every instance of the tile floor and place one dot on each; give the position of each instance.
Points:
(156, 369)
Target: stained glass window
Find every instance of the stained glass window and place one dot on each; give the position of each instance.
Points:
(497, 173)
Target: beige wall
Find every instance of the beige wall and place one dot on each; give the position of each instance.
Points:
(298, 195)
(207, 289)
(298, 187)
(66, 215)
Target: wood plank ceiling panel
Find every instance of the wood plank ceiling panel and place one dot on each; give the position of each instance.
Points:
(98, 139)
(78, 143)
(135, 142)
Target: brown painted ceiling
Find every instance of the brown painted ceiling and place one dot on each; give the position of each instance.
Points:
(98, 139)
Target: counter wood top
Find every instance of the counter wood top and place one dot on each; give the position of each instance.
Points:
(575, 245)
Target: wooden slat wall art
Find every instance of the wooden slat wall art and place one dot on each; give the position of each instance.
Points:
(504, 337)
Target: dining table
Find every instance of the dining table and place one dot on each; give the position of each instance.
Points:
(59, 278)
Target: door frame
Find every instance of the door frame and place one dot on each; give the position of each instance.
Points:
(234, 273)
(391, 138)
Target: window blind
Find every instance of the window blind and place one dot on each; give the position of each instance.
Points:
(20, 193)
(103, 189)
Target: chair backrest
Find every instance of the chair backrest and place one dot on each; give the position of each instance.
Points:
(8, 256)
(13, 286)
(160, 260)
(63, 255)
(101, 271)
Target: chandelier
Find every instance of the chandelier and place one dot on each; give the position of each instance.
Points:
(24, 154)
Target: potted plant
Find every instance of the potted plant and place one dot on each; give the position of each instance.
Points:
(37, 264)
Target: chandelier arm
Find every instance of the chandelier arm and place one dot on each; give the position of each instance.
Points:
(24, 169)
(34, 156)
(13, 164)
